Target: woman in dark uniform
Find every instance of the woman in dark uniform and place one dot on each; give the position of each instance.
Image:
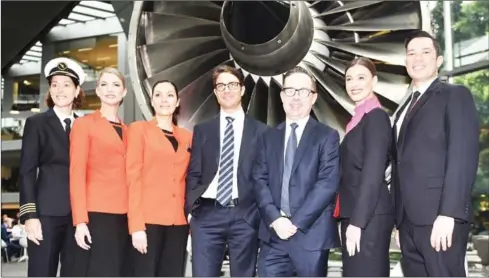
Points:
(366, 211)
(157, 159)
(44, 172)
(98, 186)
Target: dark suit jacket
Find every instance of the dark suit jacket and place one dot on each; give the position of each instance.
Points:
(204, 162)
(436, 156)
(313, 184)
(45, 146)
(365, 154)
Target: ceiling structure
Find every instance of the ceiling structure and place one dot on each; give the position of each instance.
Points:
(15, 41)
(74, 12)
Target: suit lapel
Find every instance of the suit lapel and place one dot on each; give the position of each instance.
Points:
(214, 135)
(111, 134)
(280, 143)
(159, 139)
(183, 145)
(246, 140)
(304, 143)
(410, 114)
(157, 136)
(56, 126)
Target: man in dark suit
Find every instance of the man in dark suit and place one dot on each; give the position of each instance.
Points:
(436, 157)
(219, 197)
(44, 172)
(295, 178)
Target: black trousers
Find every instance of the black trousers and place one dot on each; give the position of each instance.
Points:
(58, 244)
(419, 259)
(166, 256)
(373, 259)
(109, 252)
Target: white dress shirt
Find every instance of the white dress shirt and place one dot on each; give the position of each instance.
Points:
(61, 116)
(301, 125)
(422, 89)
(238, 125)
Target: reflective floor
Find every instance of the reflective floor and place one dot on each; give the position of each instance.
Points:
(14, 269)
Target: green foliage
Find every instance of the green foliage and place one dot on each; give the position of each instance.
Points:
(469, 20)
(478, 83)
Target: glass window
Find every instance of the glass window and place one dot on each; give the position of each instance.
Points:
(92, 102)
(10, 177)
(93, 54)
(26, 93)
(12, 128)
(470, 31)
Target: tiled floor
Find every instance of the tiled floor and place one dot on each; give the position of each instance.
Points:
(20, 270)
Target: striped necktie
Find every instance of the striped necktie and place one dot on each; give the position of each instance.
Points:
(226, 165)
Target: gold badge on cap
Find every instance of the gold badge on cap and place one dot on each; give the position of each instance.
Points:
(62, 66)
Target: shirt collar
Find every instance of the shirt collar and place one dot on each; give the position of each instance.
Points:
(300, 123)
(63, 116)
(236, 115)
(422, 89)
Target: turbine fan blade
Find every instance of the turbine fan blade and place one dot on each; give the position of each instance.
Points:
(183, 41)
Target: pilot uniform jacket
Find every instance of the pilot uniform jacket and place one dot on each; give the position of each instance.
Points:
(156, 175)
(44, 168)
(97, 168)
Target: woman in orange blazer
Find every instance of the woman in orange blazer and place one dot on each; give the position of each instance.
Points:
(158, 153)
(98, 186)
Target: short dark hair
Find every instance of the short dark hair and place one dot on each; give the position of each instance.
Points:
(77, 102)
(225, 68)
(177, 109)
(423, 34)
(362, 61)
(299, 69)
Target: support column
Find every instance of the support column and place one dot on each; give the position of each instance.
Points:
(447, 21)
(127, 110)
(8, 93)
(47, 55)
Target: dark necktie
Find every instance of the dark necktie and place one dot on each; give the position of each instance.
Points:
(288, 162)
(67, 121)
(413, 101)
(225, 181)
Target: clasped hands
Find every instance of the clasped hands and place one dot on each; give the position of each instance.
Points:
(284, 228)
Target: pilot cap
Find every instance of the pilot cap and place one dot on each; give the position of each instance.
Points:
(64, 66)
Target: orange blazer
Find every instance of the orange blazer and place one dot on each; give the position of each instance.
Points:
(97, 168)
(156, 175)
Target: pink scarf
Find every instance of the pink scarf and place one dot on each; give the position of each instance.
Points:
(362, 109)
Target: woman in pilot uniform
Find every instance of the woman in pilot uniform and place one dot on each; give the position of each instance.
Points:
(366, 212)
(98, 186)
(44, 172)
(157, 159)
